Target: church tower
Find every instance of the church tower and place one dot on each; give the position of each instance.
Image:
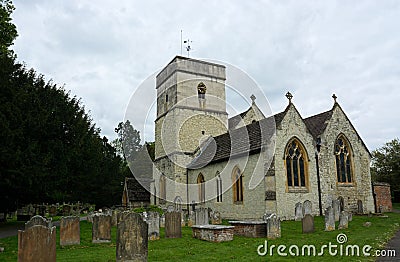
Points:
(191, 106)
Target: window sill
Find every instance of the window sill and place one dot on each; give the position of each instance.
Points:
(298, 190)
(238, 202)
(345, 184)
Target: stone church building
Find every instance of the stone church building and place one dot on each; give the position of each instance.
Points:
(247, 165)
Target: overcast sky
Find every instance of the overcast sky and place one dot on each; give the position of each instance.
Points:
(103, 50)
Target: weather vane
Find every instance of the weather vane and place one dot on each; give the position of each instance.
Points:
(187, 45)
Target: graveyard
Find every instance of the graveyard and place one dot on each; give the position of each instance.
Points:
(374, 230)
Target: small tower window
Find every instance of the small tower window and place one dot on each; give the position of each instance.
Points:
(201, 90)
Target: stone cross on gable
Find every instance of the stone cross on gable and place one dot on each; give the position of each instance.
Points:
(289, 96)
(334, 98)
(253, 98)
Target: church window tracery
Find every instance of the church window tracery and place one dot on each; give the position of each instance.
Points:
(237, 178)
(296, 165)
(343, 160)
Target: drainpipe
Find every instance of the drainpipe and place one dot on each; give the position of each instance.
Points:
(318, 175)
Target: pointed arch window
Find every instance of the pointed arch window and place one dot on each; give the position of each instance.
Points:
(201, 90)
(296, 160)
(163, 189)
(237, 178)
(219, 187)
(343, 157)
(202, 189)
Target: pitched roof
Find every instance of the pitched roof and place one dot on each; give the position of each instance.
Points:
(235, 120)
(317, 124)
(243, 141)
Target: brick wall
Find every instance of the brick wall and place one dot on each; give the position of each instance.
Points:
(383, 197)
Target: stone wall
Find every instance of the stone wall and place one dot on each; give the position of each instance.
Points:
(383, 197)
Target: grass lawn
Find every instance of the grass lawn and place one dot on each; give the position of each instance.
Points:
(240, 249)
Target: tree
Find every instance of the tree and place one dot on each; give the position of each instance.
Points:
(8, 31)
(386, 164)
(129, 139)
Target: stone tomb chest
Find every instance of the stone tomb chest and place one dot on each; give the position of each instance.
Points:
(250, 228)
(213, 233)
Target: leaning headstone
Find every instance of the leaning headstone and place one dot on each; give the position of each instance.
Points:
(329, 219)
(273, 226)
(298, 211)
(308, 224)
(173, 227)
(307, 207)
(132, 238)
(336, 209)
(360, 209)
(38, 220)
(37, 243)
(343, 220)
(201, 216)
(101, 229)
(216, 218)
(153, 220)
(70, 231)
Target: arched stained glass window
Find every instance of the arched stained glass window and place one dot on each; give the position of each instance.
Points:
(343, 160)
(296, 164)
(237, 178)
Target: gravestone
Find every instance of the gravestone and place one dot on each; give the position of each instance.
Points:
(201, 216)
(341, 204)
(307, 207)
(70, 231)
(343, 220)
(350, 216)
(173, 227)
(273, 226)
(336, 209)
(153, 220)
(329, 219)
(308, 224)
(170, 208)
(37, 243)
(162, 220)
(298, 211)
(114, 217)
(178, 204)
(52, 210)
(216, 218)
(191, 219)
(101, 228)
(38, 220)
(360, 209)
(132, 238)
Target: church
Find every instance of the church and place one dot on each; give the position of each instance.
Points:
(247, 165)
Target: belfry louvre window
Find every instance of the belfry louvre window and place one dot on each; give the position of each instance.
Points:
(237, 178)
(201, 90)
(296, 165)
(343, 160)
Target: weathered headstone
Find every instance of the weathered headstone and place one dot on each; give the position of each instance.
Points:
(191, 219)
(101, 228)
(153, 220)
(70, 231)
(162, 220)
(38, 220)
(178, 204)
(216, 218)
(298, 211)
(307, 207)
(132, 238)
(360, 209)
(350, 216)
(336, 209)
(329, 219)
(202, 216)
(114, 217)
(343, 220)
(173, 227)
(308, 224)
(38, 241)
(273, 226)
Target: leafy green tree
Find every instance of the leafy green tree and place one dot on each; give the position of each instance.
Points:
(8, 31)
(129, 139)
(386, 164)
